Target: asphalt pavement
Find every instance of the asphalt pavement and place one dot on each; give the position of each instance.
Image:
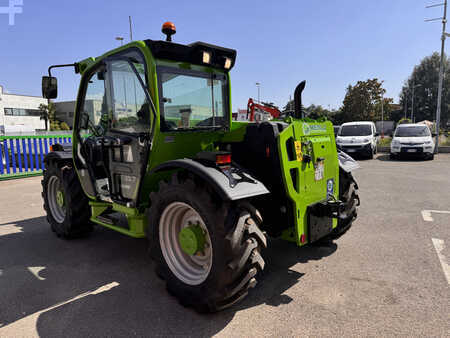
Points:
(385, 277)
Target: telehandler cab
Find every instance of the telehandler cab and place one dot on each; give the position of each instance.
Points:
(156, 154)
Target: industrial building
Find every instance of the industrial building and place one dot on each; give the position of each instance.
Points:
(20, 113)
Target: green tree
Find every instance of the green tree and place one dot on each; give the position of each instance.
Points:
(316, 111)
(47, 113)
(424, 78)
(363, 102)
(289, 106)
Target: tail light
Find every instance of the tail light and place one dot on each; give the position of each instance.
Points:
(222, 159)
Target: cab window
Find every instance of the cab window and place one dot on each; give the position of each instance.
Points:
(192, 100)
(130, 108)
(95, 106)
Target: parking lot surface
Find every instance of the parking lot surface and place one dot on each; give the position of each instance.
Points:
(383, 278)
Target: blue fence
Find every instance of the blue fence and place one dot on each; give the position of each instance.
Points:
(24, 155)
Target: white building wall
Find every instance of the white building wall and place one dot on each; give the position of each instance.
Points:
(17, 123)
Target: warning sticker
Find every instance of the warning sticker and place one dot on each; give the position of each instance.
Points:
(298, 150)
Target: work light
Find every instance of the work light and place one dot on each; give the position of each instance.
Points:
(227, 63)
(206, 57)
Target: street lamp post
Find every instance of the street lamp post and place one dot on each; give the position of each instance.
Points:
(258, 85)
(412, 100)
(119, 38)
(382, 111)
(382, 115)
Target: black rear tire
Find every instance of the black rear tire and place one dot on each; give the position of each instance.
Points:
(75, 221)
(235, 238)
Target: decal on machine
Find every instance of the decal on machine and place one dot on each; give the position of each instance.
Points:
(309, 128)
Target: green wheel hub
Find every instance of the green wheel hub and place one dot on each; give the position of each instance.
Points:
(192, 239)
(60, 198)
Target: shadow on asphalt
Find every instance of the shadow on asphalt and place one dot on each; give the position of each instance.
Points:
(138, 304)
(386, 158)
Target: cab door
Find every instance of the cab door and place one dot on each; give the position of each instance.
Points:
(117, 149)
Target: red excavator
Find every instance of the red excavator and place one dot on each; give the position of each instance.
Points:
(259, 112)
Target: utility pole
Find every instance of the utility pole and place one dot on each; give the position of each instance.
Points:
(131, 29)
(441, 69)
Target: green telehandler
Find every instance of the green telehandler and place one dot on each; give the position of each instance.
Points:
(155, 154)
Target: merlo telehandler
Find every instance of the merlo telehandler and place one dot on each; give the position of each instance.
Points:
(155, 154)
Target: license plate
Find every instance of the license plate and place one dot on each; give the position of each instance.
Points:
(411, 150)
(351, 150)
(319, 170)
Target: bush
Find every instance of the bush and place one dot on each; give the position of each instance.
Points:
(384, 142)
(64, 126)
(404, 120)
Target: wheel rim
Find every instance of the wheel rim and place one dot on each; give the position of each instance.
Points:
(56, 200)
(190, 269)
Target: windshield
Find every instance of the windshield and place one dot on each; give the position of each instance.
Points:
(192, 100)
(356, 130)
(413, 131)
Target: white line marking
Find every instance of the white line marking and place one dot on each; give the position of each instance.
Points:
(439, 245)
(21, 327)
(9, 229)
(426, 214)
(35, 271)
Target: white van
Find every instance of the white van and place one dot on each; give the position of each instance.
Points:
(358, 137)
(412, 139)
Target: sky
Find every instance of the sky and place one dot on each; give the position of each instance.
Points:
(330, 44)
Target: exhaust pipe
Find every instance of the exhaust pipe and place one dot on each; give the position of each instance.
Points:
(298, 100)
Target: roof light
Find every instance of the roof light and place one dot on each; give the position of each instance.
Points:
(206, 57)
(227, 63)
(169, 29)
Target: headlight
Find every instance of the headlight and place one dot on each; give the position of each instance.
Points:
(366, 140)
(428, 142)
(395, 143)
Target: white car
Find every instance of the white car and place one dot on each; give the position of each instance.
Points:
(358, 138)
(412, 139)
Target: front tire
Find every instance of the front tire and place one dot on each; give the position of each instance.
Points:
(230, 254)
(65, 203)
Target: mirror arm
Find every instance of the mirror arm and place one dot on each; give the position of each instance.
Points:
(75, 65)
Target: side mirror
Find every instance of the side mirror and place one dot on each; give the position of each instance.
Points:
(377, 134)
(49, 87)
(434, 134)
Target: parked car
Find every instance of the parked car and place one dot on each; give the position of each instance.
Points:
(412, 139)
(358, 137)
